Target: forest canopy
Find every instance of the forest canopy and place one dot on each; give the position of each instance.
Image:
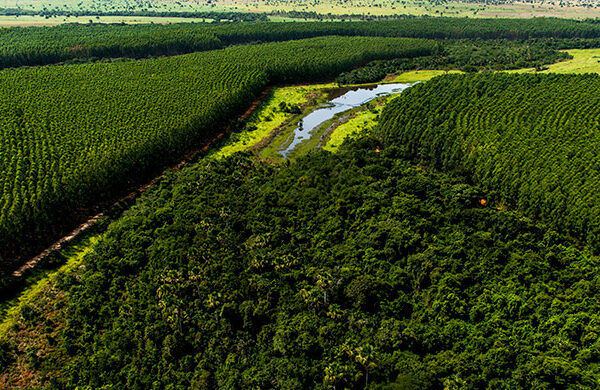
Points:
(455, 246)
(337, 270)
(531, 138)
(74, 42)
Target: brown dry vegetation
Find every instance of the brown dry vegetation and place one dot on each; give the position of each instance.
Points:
(37, 338)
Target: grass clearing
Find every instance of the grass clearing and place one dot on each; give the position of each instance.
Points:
(34, 20)
(30, 295)
(583, 61)
(577, 9)
(358, 123)
(269, 117)
(361, 121)
(414, 76)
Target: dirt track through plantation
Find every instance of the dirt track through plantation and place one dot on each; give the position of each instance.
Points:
(31, 263)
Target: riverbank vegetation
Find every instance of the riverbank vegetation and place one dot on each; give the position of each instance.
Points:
(358, 123)
(277, 110)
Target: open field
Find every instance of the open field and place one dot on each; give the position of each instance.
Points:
(583, 61)
(418, 75)
(110, 6)
(33, 20)
(537, 8)
(576, 10)
(373, 8)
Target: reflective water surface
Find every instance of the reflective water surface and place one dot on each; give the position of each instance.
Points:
(347, 101)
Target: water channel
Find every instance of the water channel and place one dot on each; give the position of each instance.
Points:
(354, 98)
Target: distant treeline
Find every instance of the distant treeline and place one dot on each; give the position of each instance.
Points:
(213, 15)
(421, 27)
(532, 139)
(312, 15)
(47, 45)
(468, 55)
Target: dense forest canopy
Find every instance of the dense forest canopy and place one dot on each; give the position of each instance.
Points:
(468, 55)
(532, 139)
(335, 271)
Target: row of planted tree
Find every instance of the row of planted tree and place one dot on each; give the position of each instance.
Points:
(76, 135)
(46, 45)
(532, 139)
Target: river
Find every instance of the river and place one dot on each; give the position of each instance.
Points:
(353, 98)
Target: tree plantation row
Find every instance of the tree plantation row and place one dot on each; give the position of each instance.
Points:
(46, 45)
(78, 134)
(336, 271)
(532, 139)
(467, 55)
